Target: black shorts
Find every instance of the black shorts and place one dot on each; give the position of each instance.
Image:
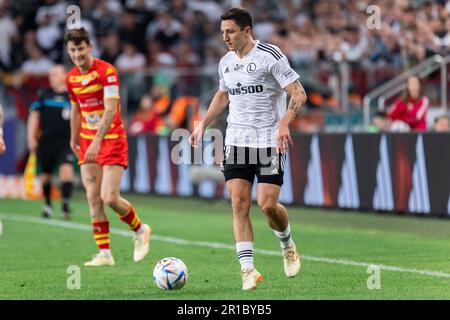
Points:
(245, 163)
(52, 154)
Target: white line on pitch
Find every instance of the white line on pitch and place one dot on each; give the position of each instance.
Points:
(85, 227)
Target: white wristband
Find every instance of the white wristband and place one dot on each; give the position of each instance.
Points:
(1, 131)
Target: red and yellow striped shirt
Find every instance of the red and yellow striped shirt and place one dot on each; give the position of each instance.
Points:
(87, 90)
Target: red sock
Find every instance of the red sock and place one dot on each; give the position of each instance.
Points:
(132, 219)
(101, 234)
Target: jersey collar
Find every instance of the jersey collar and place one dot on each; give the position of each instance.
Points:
(249, 53)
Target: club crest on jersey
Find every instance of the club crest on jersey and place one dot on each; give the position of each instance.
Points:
(251, 67)
(238, 67)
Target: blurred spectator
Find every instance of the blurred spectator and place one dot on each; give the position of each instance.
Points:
(53, 9)
(186, 59)
(38, 65)
(165, 73)
(8, 36)
(353, 46)
(130, 60)
(147, 4)
(210, 8)
(110, 45)
(194, 32)
(129, 31)
(106, 17)
(412, 107)
(131, 65)
(179, 9)
(264, 28)
(49, 37)
(149, 117)
(380, 122)
(142, 13)
(185, 111)
(442, 124)
(165, 30)
(144, 119)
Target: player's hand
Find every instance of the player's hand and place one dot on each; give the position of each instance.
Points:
(197, 136)
(92, 151)
(2, 145)
(75, 147)
(284, 138)
(32, 145)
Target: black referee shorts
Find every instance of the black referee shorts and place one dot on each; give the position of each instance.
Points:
(52, 154)
(245, 163)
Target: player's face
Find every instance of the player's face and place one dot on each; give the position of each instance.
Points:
(79, 54)
(234, 37)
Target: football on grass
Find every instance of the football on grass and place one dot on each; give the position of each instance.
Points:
(170, 274)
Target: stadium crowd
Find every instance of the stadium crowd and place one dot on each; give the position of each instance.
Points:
(168, 49)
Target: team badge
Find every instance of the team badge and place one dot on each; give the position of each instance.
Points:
(251, 67)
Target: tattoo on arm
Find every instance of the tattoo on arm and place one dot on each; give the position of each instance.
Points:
(295, 105)
(298, 98)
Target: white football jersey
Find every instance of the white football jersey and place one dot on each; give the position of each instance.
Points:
(255, 84)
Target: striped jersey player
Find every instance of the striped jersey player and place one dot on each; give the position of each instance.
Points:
(98, 139)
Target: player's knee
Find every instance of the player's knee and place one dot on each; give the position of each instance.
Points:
(267, 206)
(240, 204)
(110, 199)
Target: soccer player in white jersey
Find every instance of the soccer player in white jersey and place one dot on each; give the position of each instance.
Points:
(254, 78)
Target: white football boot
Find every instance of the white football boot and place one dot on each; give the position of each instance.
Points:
(291, 261)
(142, 243)
(250, 278)
(101, 259)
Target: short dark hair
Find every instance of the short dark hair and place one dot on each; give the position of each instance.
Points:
(241, 16)
(381, 114)
(77, 36)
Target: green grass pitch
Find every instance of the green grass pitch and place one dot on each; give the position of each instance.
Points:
(336, 248)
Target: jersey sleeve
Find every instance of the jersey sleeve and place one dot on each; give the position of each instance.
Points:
(222, 86)
(282, 72)
(110, 82)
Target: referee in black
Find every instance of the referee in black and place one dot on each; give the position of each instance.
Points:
(49, 137)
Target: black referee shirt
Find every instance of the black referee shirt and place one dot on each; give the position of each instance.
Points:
(54, 110)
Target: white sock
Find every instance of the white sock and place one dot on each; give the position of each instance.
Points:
(141, 229)
(244, 252)
(106, 252)
(284, 237)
